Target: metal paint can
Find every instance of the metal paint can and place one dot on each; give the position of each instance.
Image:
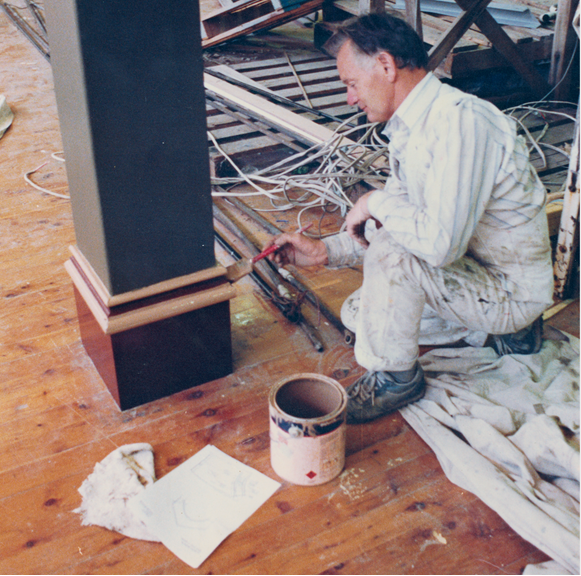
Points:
(307, 428)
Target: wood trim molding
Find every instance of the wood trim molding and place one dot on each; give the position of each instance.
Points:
(159, 288)
(151, 307)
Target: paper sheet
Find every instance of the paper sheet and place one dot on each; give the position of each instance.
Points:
(198, 504)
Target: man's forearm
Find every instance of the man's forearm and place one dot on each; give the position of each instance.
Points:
(343, 251)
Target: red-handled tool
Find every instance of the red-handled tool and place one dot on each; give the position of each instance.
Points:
(274, 247)
(244, 266)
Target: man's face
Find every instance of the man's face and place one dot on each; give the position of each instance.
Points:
(367, 82)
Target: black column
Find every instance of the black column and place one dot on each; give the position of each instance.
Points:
(130, 96)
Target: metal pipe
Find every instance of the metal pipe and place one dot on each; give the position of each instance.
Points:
(40, 43)
(290, 278)
(38, 15)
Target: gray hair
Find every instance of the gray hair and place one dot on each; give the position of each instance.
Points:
(374, 33)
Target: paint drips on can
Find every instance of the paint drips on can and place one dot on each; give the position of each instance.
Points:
(307, 428)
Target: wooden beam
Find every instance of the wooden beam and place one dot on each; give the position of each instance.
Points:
(371, 6)
(568, 232)
(218, 33)
(305, 130)
(502, 42)
(461, 63)
(475, 12)
(561, 49)
(413, 16)
(462, 23)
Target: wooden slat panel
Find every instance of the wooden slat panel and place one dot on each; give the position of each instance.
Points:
(247, 67)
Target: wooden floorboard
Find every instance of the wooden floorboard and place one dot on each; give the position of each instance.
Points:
(392, 510)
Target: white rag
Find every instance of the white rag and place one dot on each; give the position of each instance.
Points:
(116, 479)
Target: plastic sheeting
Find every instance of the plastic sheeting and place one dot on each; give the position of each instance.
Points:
(507, 430)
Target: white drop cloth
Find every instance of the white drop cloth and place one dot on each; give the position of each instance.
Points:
(519, 416)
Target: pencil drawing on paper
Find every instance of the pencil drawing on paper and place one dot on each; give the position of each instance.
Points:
(226, 476)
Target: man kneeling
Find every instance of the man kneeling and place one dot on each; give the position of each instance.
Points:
(462, 231)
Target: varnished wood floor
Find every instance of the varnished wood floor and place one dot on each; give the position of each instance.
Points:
(58, 419)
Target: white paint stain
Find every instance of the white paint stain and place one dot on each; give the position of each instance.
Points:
(438, 539)
(350, 485)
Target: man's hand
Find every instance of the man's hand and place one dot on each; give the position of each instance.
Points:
(356, 219)
(299, 250)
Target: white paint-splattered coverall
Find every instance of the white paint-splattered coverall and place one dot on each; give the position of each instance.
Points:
(464, 233)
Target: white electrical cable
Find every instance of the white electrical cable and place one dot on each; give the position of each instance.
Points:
(45, 190)
(338, 167)
(533, 108)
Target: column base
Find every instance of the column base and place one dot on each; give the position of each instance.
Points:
(162, 343)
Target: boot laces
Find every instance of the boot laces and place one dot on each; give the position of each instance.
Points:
(364, 389)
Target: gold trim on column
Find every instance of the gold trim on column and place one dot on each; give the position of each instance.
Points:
(147, 291)
(147, 305)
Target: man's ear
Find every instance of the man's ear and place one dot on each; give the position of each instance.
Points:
(387, 62)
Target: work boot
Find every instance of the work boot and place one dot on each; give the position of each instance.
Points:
(526, 341)
(378, 393)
